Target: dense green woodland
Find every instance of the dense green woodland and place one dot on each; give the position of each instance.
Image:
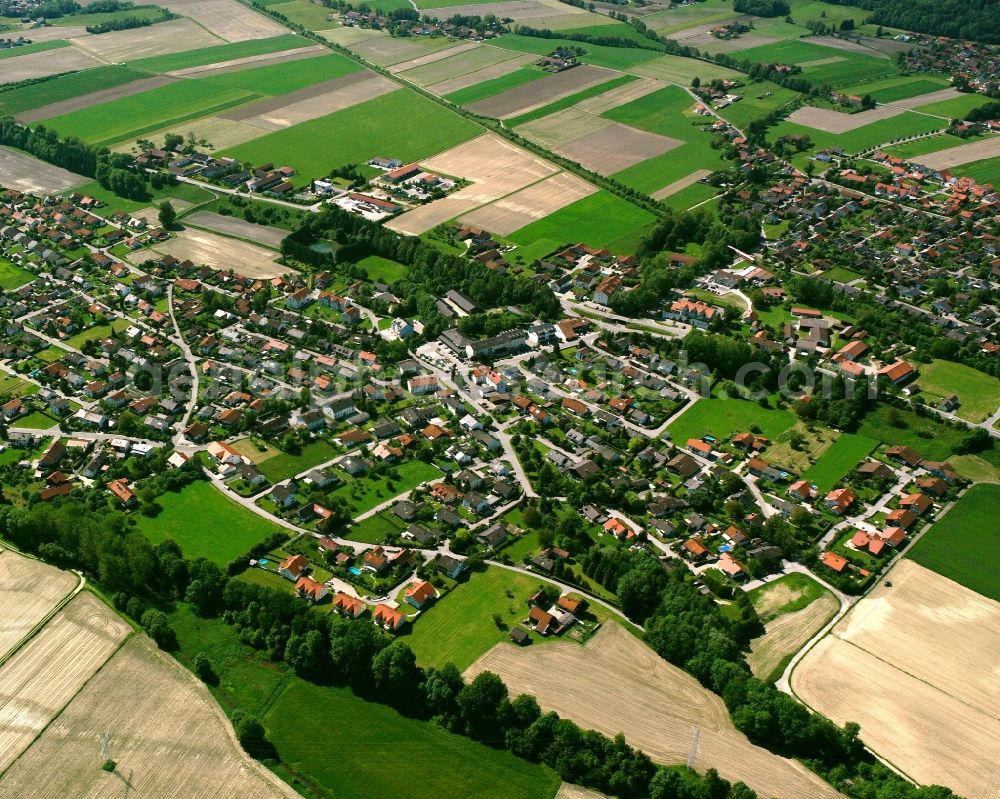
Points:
(957, 19)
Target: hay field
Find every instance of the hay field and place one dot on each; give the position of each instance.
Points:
(569, 791)
(167, 734)
(535, 202)
(456, 65)
(787, 634)
(916, 666)
(496, 169)
(615, 683)
(29, 589)
(963, 154)
(562, 127)
(538, 93)
(20, 171)
(313, 102)
(680, 184)
(483, 75)
(221, 133)
(233, 226)
(680, 70)
(94, 98)
(620, 95)
(38, 681)
(434, 55)
(250, 62)
(218, 252)
(227, 19)
(831, 121)
(163, 38)
(45, 63)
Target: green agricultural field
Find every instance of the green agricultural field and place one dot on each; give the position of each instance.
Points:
(383, 126)
(284, 465)
(680, 17)
(978, 393)
(36, 47)
(65, 87)
(182, 191)
(697, 194)
(442, 764)
(925, 434)
(480, 91)
(612, 57)
(572, 100)
(618, 30)
(901, 87)
(12, 276)
(130, 117)
(960, 544)
(956, 108)
(848, 68)
(985, 171)
(681, 70)
(724, 417)
(219, 53)
(759, 100)
(843, 455)
(309, 15)
(787, 594)
(382, 269)
(372, 491)
(598, 220)
(205, 523)
(914, 149)
(882, 132)
(460, 626)
(667, 112)
(287, 77)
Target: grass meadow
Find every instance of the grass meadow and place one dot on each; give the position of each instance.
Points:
(66, 87)
(842, 456)
(978, 393)
(480, 91)
(724, 417)
(219, 53)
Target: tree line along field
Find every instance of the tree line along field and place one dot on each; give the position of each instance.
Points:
(959, 544)
(299, 716)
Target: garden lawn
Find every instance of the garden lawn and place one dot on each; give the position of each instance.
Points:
(284, 465)
(932, 439)
(277, 79)
(375, 529)
(12, 276)
(353, 135)
(130, 117)
(960, 544)
(978, 393)
(840, 274)
(66, 87)
(724, 417)
(96, 332)
(219, 53)
(205, 523)
(598, 220)
(480, 91)
(443, 765)
(36, 421)
(382, 269)
(842, 456)
(459, 627)
(375, 491)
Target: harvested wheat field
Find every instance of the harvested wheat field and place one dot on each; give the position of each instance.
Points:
(45, 63)
(167, 734)
(569, 791)
(846, 45)
(38, 681)
(481, 75)
(94, 98)
(917, 665)
(620, 95)
(616, 684)
(218, 252)
(313, 101)
(963, 154)
(562, 127)
(434, 55)
(788, 633)
(22, 172)
(616, 147)
(51, 32)
(495, 167)
(681, 183)
(233, 226)
(250, 62)
(537, 201)
(831, 121)
(457, 65)
(386, 50)
(29, 590)
(216, 130)
(537, 93)
(227, 19)
(162, 38)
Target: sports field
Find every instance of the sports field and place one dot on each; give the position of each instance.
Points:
(459, 627)
(380, 127)
(205, 523)
(724, 417)
(958, 544)
(978, 393)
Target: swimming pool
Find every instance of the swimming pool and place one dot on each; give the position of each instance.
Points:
(354, 570)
